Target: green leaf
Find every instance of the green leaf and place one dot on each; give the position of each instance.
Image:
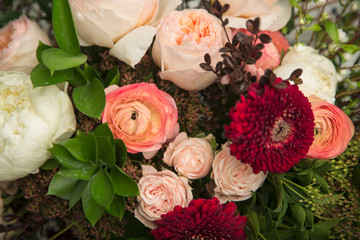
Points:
(104, 130)
(57, 59)
(298, 214)
(77, 193)
(112, 77)
(73, 145)
(294, 4)
(117, 207)
(89, 148)
(50, 164)
(64, 28)
(41, 47)
(123, 184)
(92, 210)
(332, 31)
(106, 151)
(309, 218)
(282, 213)
(90, 98)
(350, 48)
(121, 152)
(40, 76)
(322, 230)
(254, 223)
(102, 190)
(81, 174)
(65, 158)
(315, 27)
(61, 185)
(90, 72)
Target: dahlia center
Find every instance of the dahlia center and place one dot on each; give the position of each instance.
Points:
(281, 131)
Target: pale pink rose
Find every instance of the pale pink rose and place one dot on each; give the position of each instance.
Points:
(126, 26)
(234, 180)
(333, 130)
(274, 14)
(182, 40)
(18, 42)
(271, 53)
(141, 115)
(191, 157)
(160, 192)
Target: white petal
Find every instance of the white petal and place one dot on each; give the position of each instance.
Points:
(165, 7)
(133, 46)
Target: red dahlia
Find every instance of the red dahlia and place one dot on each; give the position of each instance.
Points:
(271, 131)
(202, 219)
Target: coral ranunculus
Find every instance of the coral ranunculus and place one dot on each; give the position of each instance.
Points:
(333, 130)
(202, 219)
(182, 40)
(18, 42)
(271, 131)
(160, 192)
(141, 115)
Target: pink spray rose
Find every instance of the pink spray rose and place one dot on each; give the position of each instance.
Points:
(273, 14)
(141, 115)
(271, 53)
(182, 40)
(160, 192)
(234, 180)
(18, 42)
(333, 130)
(191, 157)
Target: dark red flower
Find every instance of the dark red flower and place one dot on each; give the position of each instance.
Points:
(202, 219)
(271, 131)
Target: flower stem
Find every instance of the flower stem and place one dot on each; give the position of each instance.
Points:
(62, 231)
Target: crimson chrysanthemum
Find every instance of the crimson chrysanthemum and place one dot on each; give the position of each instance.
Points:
(271, 131)
(202, 219)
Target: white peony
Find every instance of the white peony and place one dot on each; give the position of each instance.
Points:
(30, 121)
(319, 74)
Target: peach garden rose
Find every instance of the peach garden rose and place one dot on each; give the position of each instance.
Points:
(141, 115)
(333, 130)
(274, 14)
(18, 42)
(191, 157)
(182, 40)
(234, 180)
(127, 26)
(160, 192)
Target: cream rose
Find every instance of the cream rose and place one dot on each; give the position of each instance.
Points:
(319, 74)
(182, 40)
(160, 192)
(191, 157)
(127, 27)
(234, 180)
(30, 121)
(274, 14)
(18, 42)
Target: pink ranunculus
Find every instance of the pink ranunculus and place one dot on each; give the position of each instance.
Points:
(18, 42)
(182, 40)
(141, 115)
(234, 180)
(271, 53)
(126, 26)
(333, 130)
(160, 192)
(191, 157)
(274, 14)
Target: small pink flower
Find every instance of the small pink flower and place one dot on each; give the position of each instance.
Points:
(160, 192)
(271, 53)
(191, 157)
(234, 179)
(333, 130)
(18, 42)
(141, 115)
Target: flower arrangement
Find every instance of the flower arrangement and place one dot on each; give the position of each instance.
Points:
(169, 119)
